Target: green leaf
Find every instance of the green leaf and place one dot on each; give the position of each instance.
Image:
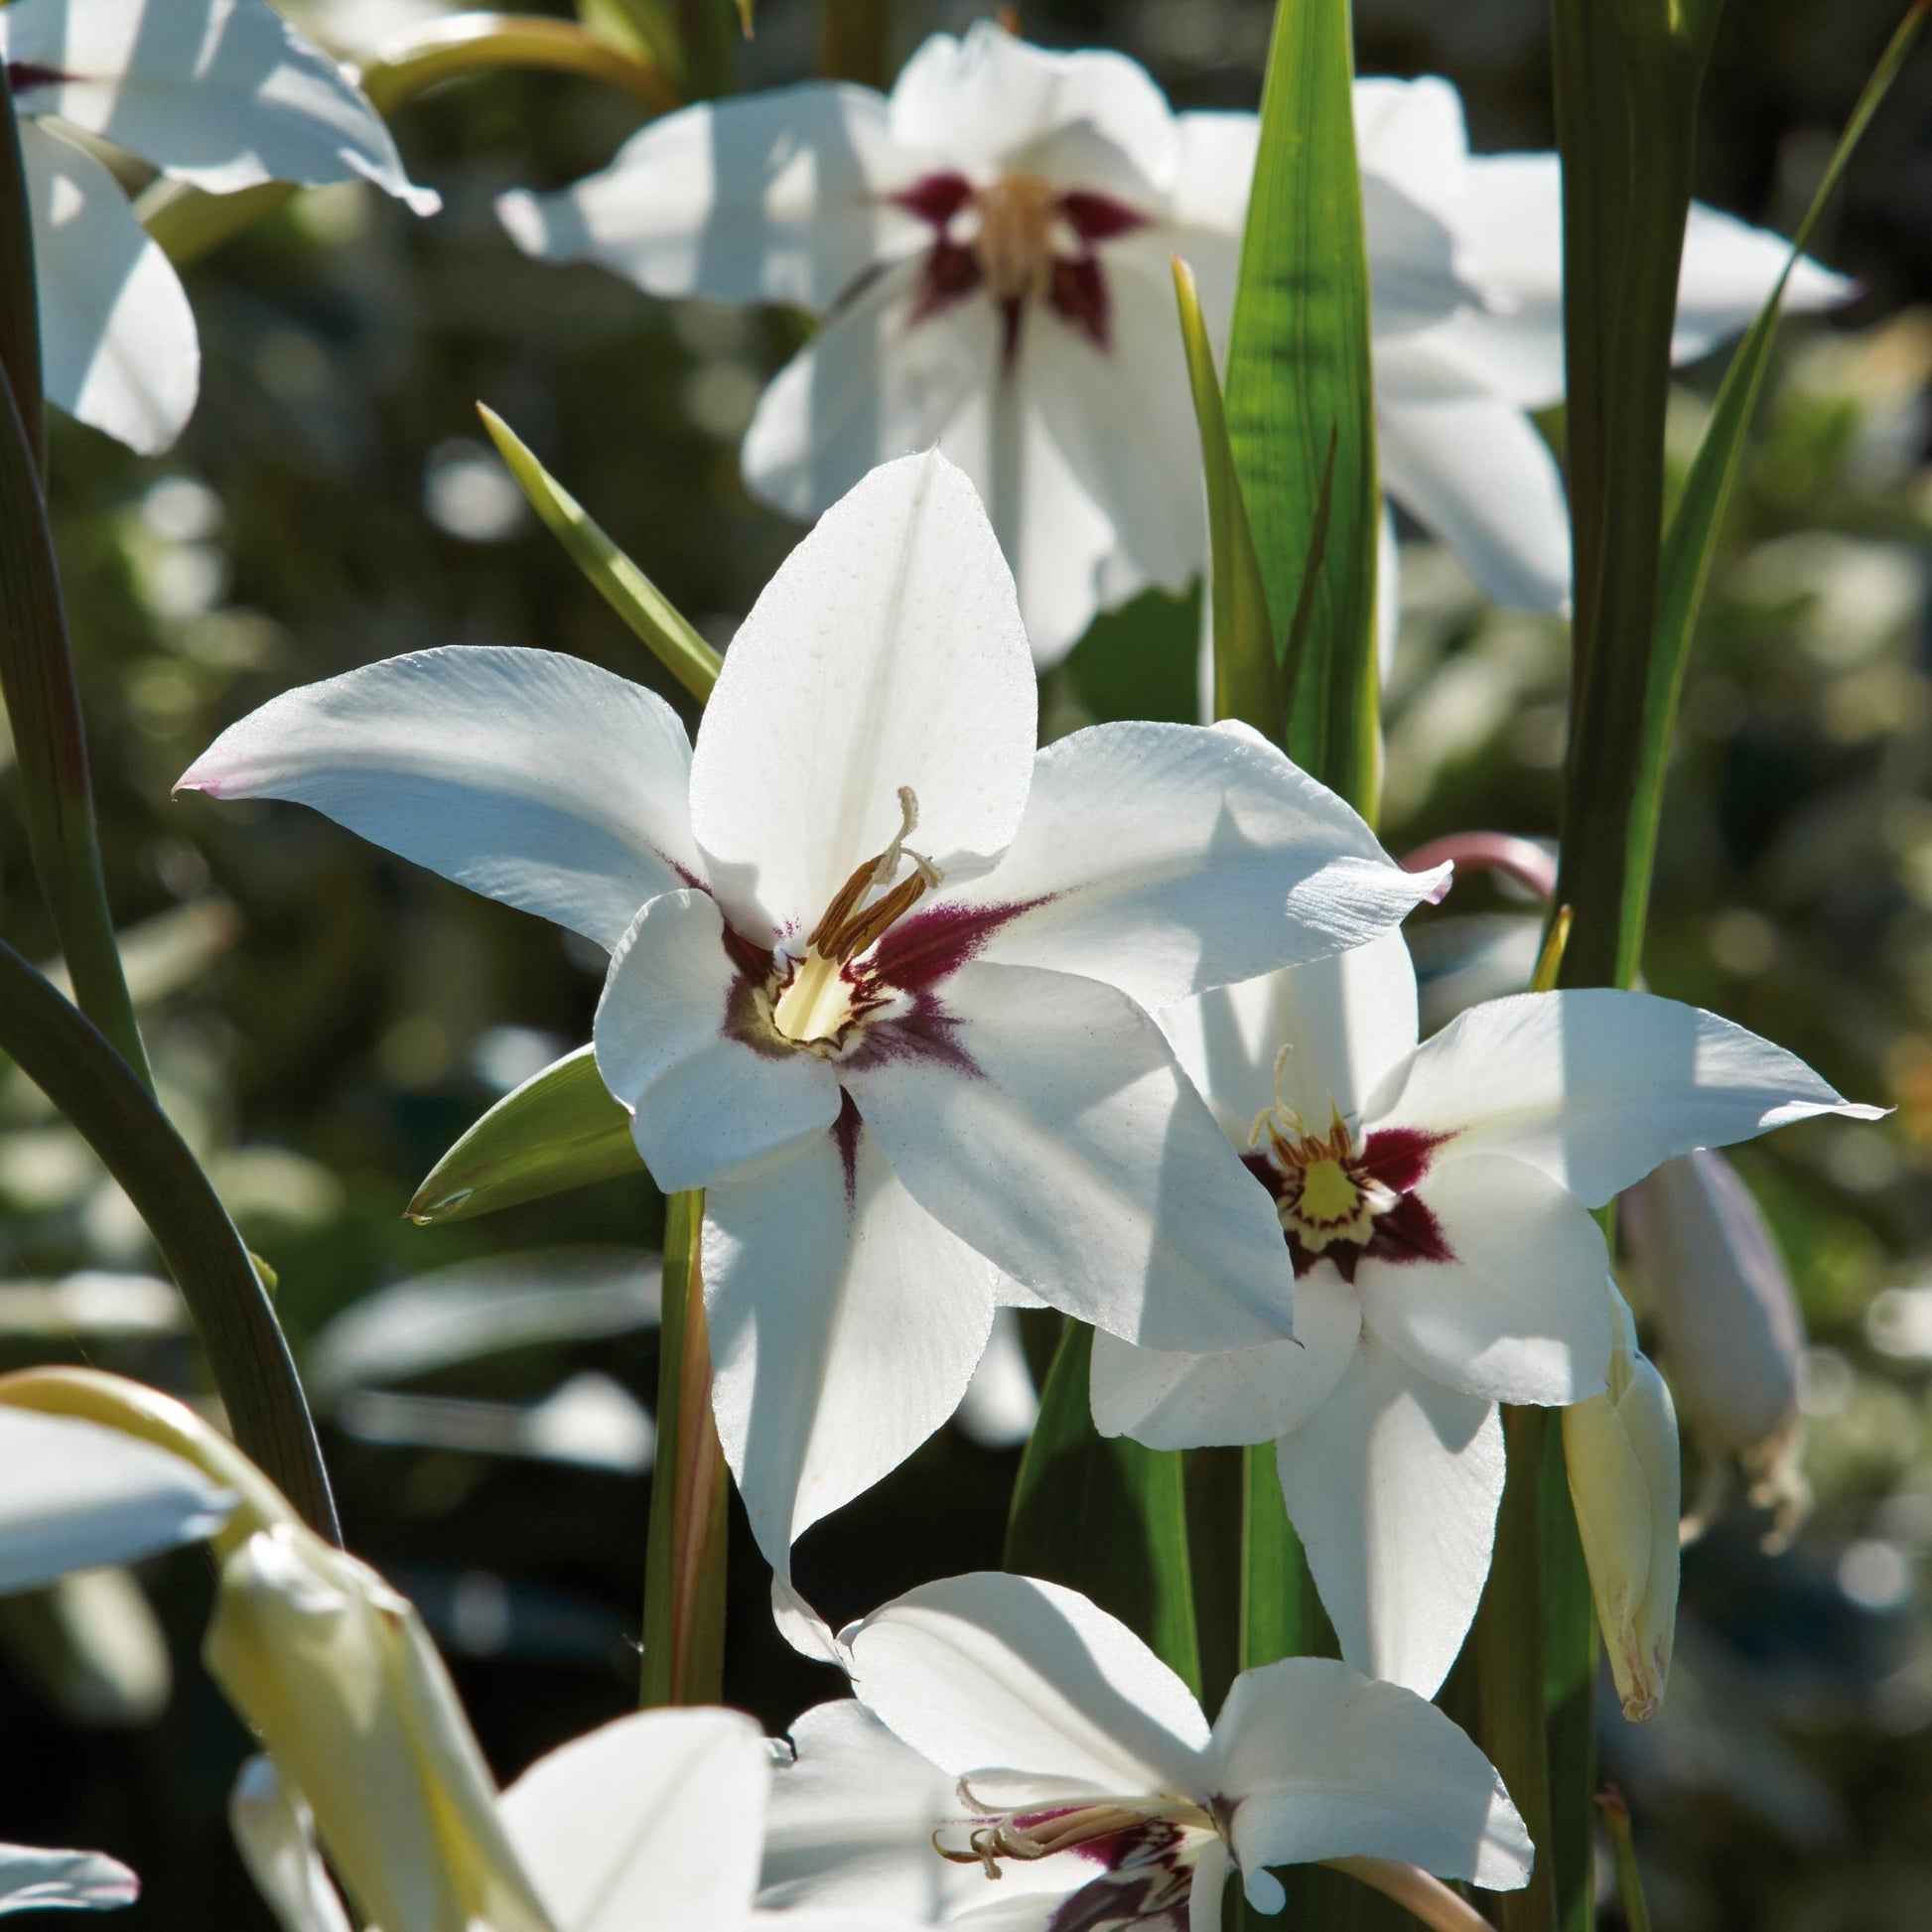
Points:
(1247, 672)
(20, 323)
(1298, 385)
(559, 1130)
(1103, 1515)
(622, 586)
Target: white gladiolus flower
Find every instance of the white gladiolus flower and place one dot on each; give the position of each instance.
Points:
(36, 1881)
(221, 94)
(880, 972)
(1620, 1450)
(989, 246)
(1008, 1730)
(1434, 1201)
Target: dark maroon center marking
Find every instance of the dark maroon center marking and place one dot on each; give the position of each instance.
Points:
(1147, 1882)
(1393, 1158)
(23, 76)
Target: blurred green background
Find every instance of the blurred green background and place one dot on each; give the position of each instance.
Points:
(325, 1021)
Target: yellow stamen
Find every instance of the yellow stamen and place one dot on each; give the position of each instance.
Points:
(1015, 244)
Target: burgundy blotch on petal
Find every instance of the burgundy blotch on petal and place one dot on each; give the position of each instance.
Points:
(23, 76)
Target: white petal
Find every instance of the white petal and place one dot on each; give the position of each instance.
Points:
(991, 103)
(1321, 1762)
(845, 1325)
(275, 1833)
(1597, 1088)
(1730, 270)
(1518, 1315)
(223, 93)
(1393, 1489)
(1059, 1138)
(999, 1673)
(1001, 1404)
(1165, 859)
(531, 776)
(116, 333)
(1345, 1020)
(1217, 172)
(776, 197)
(702, 1101)
(1248, 1395)
(1412, 135)
(851, 1823)
(1210, 1882)
(650, 1824)
(885, 652)
(32, 1880)
(1478, 474)
(74, 1496)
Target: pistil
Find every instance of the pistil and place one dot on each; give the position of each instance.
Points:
(1030, 1835)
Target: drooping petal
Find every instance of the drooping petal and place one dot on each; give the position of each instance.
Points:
(1393, 1489)
(997, 1672)
(1517, 1312)
(702, 1100)
(991, 103)
(1164, 859)
(223, 93)
(275, 1832)
(1323, 1763)
(32, 1880)
(74, 1496)
(785, 195)
(1345, 1020)
(536, 779)
(1597, 1088)
(1059, 1138)
(1478, 472)
(886, 653)
(845, 1325)
(117, 336)
(1248, 1395)
(1730, 270)
(650, 1824)
(850, 1826)
(1210, 1882)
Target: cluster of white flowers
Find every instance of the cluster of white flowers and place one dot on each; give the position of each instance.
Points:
(940, 1021)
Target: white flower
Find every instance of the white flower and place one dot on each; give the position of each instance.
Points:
(1434, 1203)
(219, 94)
(885, 996)
(37, 1880)
(1008, 1731)
(989, 246)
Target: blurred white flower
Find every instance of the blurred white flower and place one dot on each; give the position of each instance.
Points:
(36, 1881)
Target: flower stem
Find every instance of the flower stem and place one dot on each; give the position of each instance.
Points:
(684, 1561)
(1420, 1892)
(1624, 1849)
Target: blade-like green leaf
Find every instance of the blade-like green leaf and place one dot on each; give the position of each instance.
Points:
(1247, 672)
(1299, 383)
(622, 586)
(1103, 1515)
(20, 321)
(559, 1130)
(644, 26)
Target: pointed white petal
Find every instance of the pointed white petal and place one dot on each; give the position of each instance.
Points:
(776, 197)
(1055, 1134)
(650, 1824)
(275, 1833)
(531, 776)
(702, 1100)
(1347, 1021)
(223, 93)
(1001, 1404)
(118, 336)
(1167, 857)
(1597, 1088)
(1518, 1314)
(1007, 1674)
(1478, 474)
(1729, 269)
(988, 102)
(845, 1325)
(1248, 1395)
(1393, 1487)
(33, 1880)
(74, 1496)
(1323, 1763)
(886, 653)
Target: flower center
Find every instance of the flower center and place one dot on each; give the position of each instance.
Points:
(1116, 1832)
(1018, 216)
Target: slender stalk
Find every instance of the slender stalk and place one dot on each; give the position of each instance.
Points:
(684, 1560)
(68, 1059)
(1624, 1849)
(1418, 1892)
(853, 41)
(20, 321)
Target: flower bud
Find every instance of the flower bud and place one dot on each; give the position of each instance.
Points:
(338, 1677)
(1621, 1452)
(1733, 1338)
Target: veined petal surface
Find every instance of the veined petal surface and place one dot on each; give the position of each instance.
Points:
(535, 777)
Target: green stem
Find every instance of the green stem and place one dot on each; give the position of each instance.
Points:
(684, 1562)
(66, 1058)
(853, 41)
(1624, 1849)
(20, 321)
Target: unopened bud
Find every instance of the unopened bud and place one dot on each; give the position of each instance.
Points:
(1621, 1452)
